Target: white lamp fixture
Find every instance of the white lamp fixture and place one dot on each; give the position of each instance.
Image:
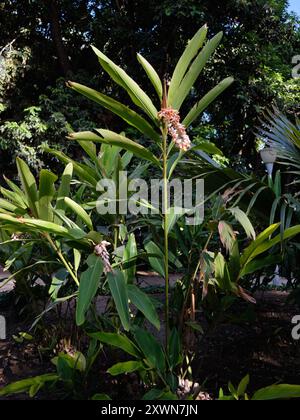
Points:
(269, 156)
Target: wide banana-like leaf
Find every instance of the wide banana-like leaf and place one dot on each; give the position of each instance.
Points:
(207, 100)
(46, 194)
(138, 96)
(195, 70)
(114, 139)
(183, 64)
(127, 114)
(29, 185)
(152, 74)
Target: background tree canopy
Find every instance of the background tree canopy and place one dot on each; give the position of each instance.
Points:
(45, 42)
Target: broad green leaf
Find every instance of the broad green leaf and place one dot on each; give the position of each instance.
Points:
(46, 193)
(192, 48)
(40, 225)
(126, 159)
(222, 273)
(58, 280)
(153, 394)
(144, 304)
(174, 348)
(206, 101)
(173, 215)
(277, 392)
(138, 96)
(151, 349)
(288, 233)
(130, 254)
(127, 114)
(207, 147)
(16, 189)
(156, 259)
(114, 139)
(242, 388)
(195, 70)
(89, 283)
(91, 150)
(124, 367)
(15, 198)
(108, 156)
(80, 212)
(29, 185)
(82, 171)
(117, 285)
(26, 384)
(7, 205)
(243, 219)
(227, 235)
(152, 74)
(168, 396)
(64, 189)
(259, 264)
(75, 361)
(262, 237)
(77, 259)
(117, 340)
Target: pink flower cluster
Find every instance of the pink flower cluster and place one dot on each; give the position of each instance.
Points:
(102, 252)
(176, 130)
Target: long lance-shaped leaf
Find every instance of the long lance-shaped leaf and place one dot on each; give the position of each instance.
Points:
(64, 188)
(117, 285)
(287, 234)
(144, 304)
(114, 139)
(207, 100)
(127, 114)
(41, 225)
(183, 64)
(82, 171)
(138, 96)
(29, 185)
(46, 193)
(89, 283)
(195, 70)
(14, 198)
(80, 212)
(16, 189)
(152, 74)
(8, 206)
(117, 340)
(261, 238)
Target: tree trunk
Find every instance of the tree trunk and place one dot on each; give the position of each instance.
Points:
(54, 18)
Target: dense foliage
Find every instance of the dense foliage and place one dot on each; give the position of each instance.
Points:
(176, 109)
(43, 41)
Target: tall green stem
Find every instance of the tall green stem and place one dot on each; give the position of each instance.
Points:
(166, 233)
(62, 258)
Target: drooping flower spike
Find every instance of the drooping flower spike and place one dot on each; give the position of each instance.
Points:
(101, 251)
(175, 129)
